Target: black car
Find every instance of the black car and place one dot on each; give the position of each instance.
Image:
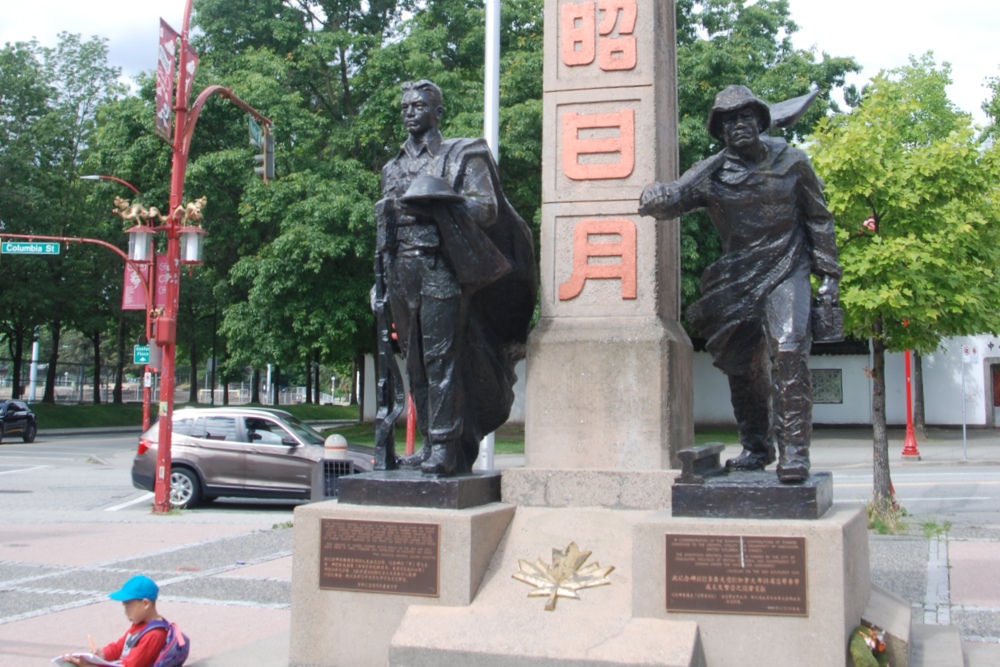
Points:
(16, 418)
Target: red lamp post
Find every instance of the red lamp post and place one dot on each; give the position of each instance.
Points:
(910, 441)
(166, 324)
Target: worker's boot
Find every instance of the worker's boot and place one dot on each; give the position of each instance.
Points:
(791, 398)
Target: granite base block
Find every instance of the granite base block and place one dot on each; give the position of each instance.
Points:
(753, 495)
(410, 488)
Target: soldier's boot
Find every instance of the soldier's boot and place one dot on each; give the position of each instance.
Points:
(413, 461)
(753, 419)
(442, 461)
(791, 399)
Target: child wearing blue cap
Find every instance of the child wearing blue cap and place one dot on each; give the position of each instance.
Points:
(135, 648)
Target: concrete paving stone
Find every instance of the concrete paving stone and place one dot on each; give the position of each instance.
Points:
(222, 553)
(74, 544)
(981, 654)
(279, 568)
(244, 591)
(14, 572)
(980, 624)
(973, 573)
(15, 603)
(899, 564)
(91, 580)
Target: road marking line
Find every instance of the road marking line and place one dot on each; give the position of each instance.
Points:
(129, 503)
(7, 457)
(11, 472)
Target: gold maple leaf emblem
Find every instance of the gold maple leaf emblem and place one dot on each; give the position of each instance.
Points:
(564, 577)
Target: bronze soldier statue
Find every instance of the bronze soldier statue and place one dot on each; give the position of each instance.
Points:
(756, 302)
(457, 268)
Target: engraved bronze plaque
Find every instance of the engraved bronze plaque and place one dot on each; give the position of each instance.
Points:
(379, 556)
(724, 574)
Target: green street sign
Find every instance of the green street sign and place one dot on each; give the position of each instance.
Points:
(256, 134)
(140, 354)
(29, 248)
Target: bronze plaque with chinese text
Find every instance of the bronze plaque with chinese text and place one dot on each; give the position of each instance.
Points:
(724, 574)
(379, 557)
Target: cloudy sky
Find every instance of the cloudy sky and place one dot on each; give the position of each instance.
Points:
(880, 34)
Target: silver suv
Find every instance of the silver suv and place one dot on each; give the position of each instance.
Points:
(248, 452)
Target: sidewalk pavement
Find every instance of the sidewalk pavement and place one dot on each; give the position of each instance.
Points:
(227, 582)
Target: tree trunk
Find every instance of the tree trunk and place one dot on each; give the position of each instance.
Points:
(918, 391)
(255, 386)
(309, 378)
(316, 382)
(16, 346)
(882, 480)
(50, 374)
(276, 383)
(96, 340)
(193, 358)
(120, 365)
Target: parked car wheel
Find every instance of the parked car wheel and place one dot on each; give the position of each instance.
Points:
(30, 433)
(185, 490)
(1, 433)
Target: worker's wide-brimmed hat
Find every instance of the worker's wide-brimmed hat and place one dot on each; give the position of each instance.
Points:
(732, 98)
(139, 587)
(429, 188)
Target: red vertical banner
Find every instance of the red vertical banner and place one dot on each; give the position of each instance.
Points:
(162, 278)
(133, 290)
(165, 58)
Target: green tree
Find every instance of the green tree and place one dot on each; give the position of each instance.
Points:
(49, 112)
(924, 267)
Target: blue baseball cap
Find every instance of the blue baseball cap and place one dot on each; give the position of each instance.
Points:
(139, 587)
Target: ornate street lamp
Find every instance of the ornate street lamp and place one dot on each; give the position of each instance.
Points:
(140, 243)
(192, 241)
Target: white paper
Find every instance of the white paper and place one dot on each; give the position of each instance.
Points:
(89, 656)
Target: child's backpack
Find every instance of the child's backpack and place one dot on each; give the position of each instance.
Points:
(175, 650)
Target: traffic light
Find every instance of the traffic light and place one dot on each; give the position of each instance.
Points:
(265, 160)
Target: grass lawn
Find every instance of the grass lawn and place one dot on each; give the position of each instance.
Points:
(509, 439)
(130, 414)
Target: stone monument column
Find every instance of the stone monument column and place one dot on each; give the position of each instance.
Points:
(609, 366)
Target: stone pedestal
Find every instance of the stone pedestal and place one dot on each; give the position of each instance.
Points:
(505, 627)
(838, 587)
(410, 488)
(333, 628)
(753, 495)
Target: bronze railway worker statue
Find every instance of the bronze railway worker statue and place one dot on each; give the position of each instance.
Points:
(756, 301)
